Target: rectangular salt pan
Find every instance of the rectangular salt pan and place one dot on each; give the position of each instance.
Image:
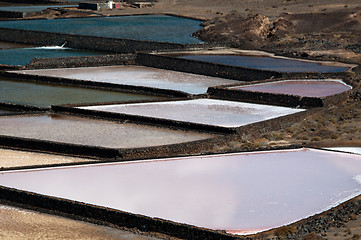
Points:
(23, 56)
(138, 76)
(45, 95)
(304, 88)
(159, 28)
(239, 193)
(265, 63)
(76, 130)
(202, 111)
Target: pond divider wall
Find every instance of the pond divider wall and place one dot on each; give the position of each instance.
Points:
(107, 216)
(276, 99)
(81, 61)
(63, 148)
(21, 108)
(115, 45)
(12, 14)
(204, 68)
(94, 85)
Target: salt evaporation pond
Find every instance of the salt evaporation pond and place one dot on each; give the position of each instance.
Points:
(239, 193)
(16, 158)
(23, 56)
(100, 133)
(45, 95)
(356, 150)
(265, 63)
(304, 88)
(137, 76)
(160, 28)
(202, 111)
(18, 223)
(12, 45)
(32, 8)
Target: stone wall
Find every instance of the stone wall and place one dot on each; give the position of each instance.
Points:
(81, 61)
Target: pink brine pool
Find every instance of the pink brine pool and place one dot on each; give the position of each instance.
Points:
(304, 88)
(239, 193)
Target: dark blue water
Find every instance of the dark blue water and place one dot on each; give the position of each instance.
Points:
(150, 28)
(31, 8)
(23, 56)
(265, 63)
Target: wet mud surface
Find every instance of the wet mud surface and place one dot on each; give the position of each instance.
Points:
(75, 130)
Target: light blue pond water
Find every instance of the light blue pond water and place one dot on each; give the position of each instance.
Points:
(150, 28)
(23, 56)
(31, 8)
(265, 63)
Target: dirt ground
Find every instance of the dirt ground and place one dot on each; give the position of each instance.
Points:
(17, 223)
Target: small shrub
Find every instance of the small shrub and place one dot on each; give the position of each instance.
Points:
(356, 236)
(283, 232)
(312, 236)
(317, 138)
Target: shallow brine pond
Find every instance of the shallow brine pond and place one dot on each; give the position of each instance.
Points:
(239, 193)
(23, 56)
(45, 95)
(32, 8)
(265, 63)
(202, 111)
(83, 131)
(159, 28)
(138, 76)
(304, 88)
